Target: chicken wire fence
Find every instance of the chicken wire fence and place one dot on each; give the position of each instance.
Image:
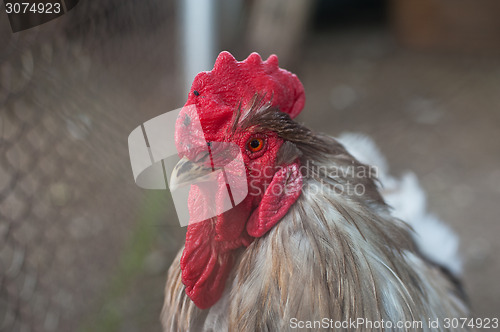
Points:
(68, 203)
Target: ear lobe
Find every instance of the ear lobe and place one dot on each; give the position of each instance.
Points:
(281, 193)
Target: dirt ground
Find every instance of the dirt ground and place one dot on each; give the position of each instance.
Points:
(95, 248)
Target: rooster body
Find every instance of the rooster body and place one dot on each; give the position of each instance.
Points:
(337, 253)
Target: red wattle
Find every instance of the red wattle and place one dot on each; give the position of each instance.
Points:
(205, 265)
(208, 255)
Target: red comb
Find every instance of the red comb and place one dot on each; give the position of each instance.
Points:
(218, 93)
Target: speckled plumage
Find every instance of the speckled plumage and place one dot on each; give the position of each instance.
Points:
(335, 255)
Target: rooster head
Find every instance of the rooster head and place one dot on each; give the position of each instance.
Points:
(223, 118)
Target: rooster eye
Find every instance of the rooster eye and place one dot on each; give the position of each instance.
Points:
(255, 144)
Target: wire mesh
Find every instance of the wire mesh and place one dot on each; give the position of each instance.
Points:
(68, 204)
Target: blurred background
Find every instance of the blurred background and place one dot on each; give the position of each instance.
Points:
(82, 248)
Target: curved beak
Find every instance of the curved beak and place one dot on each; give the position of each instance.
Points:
(187, 172)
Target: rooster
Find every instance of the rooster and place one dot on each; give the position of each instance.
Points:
(313, 245)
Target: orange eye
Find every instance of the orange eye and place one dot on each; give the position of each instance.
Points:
(255, 144)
